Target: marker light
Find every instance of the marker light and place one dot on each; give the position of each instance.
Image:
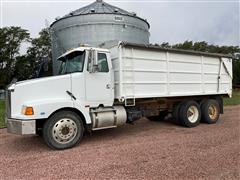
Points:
(28, 111)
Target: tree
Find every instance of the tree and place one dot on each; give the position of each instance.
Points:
(23, 69)
(165, 45)
(11, 39)
(236, 72)
(40, 50)
(188, 45)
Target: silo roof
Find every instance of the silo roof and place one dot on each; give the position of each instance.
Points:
(101, 7)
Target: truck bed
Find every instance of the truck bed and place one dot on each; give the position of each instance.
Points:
(149, 71)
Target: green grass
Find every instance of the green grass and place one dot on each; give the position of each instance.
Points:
(2, 112)
(235, 100)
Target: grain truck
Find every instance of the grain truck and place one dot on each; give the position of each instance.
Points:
(101, 88)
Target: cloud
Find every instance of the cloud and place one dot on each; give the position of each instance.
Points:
(214, 22)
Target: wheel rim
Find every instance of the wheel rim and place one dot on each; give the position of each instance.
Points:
(212, 111)
(64, 131)
(192, 114)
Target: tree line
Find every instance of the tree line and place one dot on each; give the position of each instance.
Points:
(13, 64)
(21, 66)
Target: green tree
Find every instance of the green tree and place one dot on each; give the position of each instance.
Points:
(188, 45)
(40, 50)
(164, 45)
(236, 72)
(200, 46)
(23, 68)
(11, 39)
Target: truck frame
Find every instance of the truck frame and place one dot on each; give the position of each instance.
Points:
(100, 88)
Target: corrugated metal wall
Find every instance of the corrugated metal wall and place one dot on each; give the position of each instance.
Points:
(96, 28)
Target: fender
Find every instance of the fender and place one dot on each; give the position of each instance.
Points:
(44, 108)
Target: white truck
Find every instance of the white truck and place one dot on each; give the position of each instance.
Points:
(100, 88)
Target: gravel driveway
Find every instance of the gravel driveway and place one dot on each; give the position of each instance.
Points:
(146, 150)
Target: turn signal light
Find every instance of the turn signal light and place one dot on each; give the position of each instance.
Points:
(28, 111)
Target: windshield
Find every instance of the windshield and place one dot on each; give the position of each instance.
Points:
(72, 62)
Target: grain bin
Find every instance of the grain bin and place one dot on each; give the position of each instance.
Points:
(95, 24)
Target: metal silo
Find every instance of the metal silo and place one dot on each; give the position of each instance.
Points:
(95, 24)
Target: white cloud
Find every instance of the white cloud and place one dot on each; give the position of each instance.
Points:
(214, 22)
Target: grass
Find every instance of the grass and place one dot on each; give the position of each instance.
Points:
(235, 100)
(2, 112)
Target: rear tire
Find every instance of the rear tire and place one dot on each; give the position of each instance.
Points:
(210, 111)
(175, 111)
(189, 114)
(63, 130)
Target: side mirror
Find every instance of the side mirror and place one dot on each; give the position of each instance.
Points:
(93, 61)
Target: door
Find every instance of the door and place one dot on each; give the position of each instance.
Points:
(99, 85)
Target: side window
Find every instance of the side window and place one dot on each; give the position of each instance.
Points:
(102, 63)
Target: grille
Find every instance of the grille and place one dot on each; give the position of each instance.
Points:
(8, 104)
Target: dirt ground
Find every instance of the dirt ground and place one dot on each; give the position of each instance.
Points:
(146, 150)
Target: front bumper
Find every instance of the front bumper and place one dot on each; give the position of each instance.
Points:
(21, 127)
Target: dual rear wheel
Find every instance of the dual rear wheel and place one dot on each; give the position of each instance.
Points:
(190, 113)
(210, 111)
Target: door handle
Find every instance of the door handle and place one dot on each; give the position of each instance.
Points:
(108, 86)
(70, 94)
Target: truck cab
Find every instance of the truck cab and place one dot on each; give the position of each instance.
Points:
(91, 76)
(84, 83)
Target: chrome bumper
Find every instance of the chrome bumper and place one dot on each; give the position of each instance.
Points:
(21, 127)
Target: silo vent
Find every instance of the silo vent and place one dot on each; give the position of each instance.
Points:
(115, 10)
(134, 14)
(92, 10)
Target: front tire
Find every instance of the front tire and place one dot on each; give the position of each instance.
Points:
(63, 130)
(189, 114)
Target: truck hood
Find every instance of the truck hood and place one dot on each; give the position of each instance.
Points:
(37, 91)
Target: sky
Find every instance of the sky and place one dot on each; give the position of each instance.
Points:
(173, 21)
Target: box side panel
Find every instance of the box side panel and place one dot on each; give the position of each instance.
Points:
(144, 73)
(211, 68)
(184, 74)
(151, 73)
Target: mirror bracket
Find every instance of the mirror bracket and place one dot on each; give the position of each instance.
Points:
(93, 61)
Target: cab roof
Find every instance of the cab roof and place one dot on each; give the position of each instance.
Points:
(82, 49)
